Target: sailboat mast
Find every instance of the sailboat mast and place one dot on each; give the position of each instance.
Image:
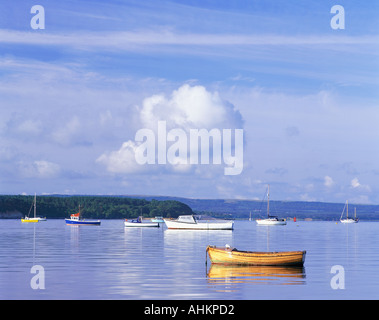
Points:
(35, 204)
(268, 201)
(347, 209)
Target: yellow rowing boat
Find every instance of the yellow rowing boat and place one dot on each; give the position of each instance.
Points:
(228, 255)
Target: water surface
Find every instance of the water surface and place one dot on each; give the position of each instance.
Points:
(113, 262)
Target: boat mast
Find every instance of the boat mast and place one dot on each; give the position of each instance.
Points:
(347, 209)
(35, 204)
(268, 201)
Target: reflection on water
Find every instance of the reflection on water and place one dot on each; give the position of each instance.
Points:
(114, 262)
(172, 236)
(230, 276)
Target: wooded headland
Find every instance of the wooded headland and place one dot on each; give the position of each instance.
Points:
(96, 207)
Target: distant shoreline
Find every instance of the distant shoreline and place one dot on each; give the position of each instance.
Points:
(134, 205)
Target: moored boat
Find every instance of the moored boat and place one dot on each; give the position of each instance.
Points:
(75, 220)
(35, 218)
(27, 219)
(270, 220)
(140, 223)
(157, 219)
(194, 222)
(228, 255)
(348, 220)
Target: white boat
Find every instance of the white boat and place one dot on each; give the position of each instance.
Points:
(348, 220)
(157, 219)
(35, 218)
(140, 223)
(270, 220)
(194, 222)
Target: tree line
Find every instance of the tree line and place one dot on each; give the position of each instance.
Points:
(96, 207)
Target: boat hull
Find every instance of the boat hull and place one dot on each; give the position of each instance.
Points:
(83, 222)
(172, 224)
(348, 221)
(269, 222)
(29, 220)
(234, 257)
(141, 224)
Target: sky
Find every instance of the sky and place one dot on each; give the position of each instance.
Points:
(79, 83)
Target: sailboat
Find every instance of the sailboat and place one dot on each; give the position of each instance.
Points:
(348, 220)
(75, 220)
(35, 218)
(270, 220)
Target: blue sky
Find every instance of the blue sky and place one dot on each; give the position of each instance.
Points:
(72, 96)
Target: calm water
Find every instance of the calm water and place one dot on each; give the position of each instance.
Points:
(113, 262)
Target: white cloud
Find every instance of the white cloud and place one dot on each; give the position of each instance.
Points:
(128, 40)
(188, 107)
(72, 133)
(328, 181)
(65, 134)
(357, 185)
(307, 197)
(30, 127)
(122, 160)
(21, 125)
(39, 169)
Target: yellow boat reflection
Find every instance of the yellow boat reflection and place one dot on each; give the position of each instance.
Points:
(235, 274)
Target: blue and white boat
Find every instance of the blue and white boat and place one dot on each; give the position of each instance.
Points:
(75, 220)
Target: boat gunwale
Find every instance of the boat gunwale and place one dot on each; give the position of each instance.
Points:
(141, 224)
(82, 222)
(199, 226)
(231, 256)
(258, 253)
(196, 220)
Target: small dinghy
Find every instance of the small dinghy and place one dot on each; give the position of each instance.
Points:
(228, 255)
(140, 223)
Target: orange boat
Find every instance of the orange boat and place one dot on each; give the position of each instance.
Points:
(228, 255)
